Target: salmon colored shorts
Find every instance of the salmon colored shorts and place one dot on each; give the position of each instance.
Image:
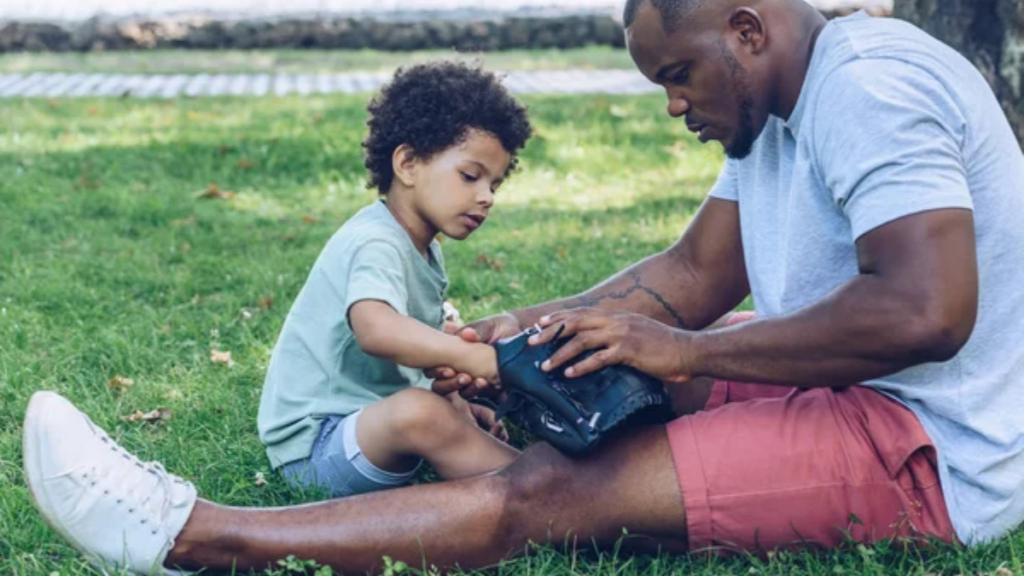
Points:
(764, 467)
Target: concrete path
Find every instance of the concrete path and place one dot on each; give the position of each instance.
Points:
(77, 85)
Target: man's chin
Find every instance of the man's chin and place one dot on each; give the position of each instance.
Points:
(737, 150)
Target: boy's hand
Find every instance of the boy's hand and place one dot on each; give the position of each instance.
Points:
(489, 330)
(482, 416)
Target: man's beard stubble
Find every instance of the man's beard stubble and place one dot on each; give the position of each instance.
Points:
(743, 141)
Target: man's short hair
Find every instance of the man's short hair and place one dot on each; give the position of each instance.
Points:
(673, 12)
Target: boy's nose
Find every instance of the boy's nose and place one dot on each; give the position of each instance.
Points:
(486, 198)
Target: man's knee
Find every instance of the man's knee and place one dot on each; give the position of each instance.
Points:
(533, 487)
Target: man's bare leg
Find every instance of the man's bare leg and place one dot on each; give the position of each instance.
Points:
(473, 522)
(691, 397)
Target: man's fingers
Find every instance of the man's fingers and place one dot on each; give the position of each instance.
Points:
(441, 372)
(577, 345)
(469, 334)
(592, 363)
(563, 329)
(570, 322)
(446, 386)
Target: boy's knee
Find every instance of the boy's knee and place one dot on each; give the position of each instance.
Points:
(415, 413)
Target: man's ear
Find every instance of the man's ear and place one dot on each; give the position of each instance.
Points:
(750, 29)
(403, 164)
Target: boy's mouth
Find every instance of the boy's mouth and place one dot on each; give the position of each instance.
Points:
(473, 221)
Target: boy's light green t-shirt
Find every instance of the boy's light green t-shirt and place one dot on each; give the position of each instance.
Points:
(317, 368)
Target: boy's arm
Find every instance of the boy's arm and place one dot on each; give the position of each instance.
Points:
(384, 333)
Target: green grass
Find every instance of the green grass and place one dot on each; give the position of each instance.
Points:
(303, 61)
(110, 265)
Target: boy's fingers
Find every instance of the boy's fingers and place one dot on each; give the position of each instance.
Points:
(499, 431)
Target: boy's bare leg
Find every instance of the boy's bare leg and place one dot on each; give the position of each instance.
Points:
(473, 522)
(394, 433)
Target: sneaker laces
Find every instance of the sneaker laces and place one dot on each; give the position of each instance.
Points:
(148, 476)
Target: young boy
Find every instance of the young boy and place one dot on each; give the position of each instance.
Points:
(345, 405)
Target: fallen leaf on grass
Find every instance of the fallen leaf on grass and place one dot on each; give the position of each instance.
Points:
(86, 181)
(266, 302)
(244, 164)
(119, 383)
(485, 260)
(259, 480)
(309, 219)
(213, 192)
(158, 416)
(218, 357)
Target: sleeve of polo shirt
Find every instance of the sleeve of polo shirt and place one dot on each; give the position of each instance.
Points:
(889, 137)
(726, 187)
(376, 273)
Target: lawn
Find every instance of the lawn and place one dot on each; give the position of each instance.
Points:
(113, 267)
(303, 61)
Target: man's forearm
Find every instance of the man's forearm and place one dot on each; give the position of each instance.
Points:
(863, 331)
(663, 287)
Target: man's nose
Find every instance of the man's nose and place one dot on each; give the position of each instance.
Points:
(677, 106)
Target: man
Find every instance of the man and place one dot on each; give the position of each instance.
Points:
(870, 204)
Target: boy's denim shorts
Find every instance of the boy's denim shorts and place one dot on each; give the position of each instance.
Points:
(337, 464)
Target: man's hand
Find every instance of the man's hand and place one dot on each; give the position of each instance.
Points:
(619, 338)
(481, 416)
(489, 330)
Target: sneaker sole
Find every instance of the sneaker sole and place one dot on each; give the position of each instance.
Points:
(33, 474)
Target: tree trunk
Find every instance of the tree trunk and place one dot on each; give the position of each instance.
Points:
(990, 33)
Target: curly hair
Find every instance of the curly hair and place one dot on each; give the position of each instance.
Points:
(432, 107)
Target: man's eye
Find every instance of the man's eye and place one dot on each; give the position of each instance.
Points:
(469, 177)
(680, 77)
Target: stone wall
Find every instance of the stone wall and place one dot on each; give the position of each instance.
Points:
(330, 32)
(489, 33)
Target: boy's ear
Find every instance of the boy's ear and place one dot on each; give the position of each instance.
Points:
(403, 163)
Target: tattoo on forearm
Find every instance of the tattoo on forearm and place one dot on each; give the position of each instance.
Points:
(637, 286)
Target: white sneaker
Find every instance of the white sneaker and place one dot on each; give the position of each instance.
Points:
(120, 512)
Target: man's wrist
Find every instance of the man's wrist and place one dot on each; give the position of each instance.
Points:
(692, 346)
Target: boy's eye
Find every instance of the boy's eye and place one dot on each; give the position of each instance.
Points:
(469, 177)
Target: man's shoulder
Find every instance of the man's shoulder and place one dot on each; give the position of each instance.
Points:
(865, 51)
